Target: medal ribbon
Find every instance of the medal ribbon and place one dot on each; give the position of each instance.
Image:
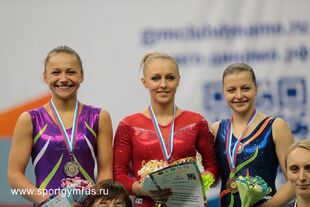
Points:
(160, 136)
(232, 155)
(68, 141)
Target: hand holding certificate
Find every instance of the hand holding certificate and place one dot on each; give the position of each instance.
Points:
(182, 177)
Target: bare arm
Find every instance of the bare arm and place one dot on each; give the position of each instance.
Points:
(283, 139)
(19, 157)
(214, 128)
(104, 147)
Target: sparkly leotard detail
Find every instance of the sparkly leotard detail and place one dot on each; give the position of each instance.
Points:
(136, 142)
(259, 158)
(49, 153)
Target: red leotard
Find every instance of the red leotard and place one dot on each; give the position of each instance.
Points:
(136, 141)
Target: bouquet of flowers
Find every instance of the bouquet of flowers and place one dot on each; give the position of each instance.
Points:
(154, 165)
(74, 192)
(76, 188)
(159, 174)
(251, 189)
(151, 166)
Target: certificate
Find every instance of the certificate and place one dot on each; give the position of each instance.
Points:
(58, 201)
(183, 179)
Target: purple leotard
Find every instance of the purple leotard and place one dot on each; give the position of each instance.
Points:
(50, 154)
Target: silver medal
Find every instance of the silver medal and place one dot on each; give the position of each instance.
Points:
(71, 169)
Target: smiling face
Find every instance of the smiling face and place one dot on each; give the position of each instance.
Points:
(298, 171)
(240, 91)
(63, 74)
(161, 77)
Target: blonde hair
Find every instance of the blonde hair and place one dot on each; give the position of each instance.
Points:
(304, 143)
(156, 55)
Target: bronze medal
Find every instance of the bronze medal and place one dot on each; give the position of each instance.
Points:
(231, 185)
(71, 169)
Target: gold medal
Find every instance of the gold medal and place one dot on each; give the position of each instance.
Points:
(231, 185)
(71, 168)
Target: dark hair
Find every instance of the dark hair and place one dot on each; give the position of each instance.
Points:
(156, 55)
(115, 190)
(237, 68)
(304, 143)
(63, 49)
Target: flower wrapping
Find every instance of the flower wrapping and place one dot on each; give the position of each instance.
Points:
(151, 166)
(182, 177)
(147, 168)
(251, 189)
(76, 187)
(207, 181)
(154, 165)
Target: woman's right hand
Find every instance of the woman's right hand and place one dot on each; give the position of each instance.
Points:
(160, 196)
